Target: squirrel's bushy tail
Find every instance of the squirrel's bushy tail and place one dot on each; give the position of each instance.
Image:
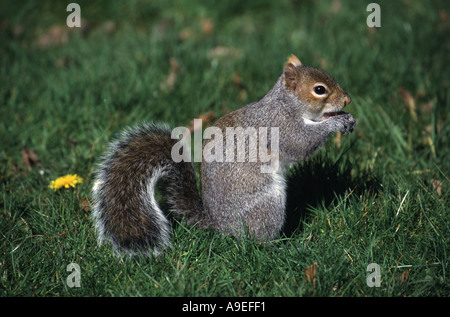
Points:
(125, 210)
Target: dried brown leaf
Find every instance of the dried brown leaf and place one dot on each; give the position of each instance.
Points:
(237, 80)
(206, 118)
(403, 277)
(29, 158)
(223, 51)
(186, 34)
(336, 6)
(443, 16)
(207, 27)
(409, 101)
(55, 35)
(437, 185)
(85, 204)
(310, 273)
(172, 76)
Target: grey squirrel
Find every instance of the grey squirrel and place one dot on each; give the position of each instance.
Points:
(236, 198)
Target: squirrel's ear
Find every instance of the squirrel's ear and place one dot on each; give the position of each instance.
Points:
(294, 61)
(291, 74)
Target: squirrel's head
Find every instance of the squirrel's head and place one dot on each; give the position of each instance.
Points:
(316, 89)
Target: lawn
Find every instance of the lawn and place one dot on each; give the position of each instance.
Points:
(379, 195)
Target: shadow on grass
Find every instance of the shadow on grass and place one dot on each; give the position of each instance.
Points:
(319, 181)
(312, 183)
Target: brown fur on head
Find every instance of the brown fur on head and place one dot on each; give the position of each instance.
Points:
(316, 88)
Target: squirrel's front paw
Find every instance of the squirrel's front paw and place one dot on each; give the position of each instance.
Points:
(345, 123)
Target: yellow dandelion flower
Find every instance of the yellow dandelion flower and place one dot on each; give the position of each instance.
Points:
(65, 181)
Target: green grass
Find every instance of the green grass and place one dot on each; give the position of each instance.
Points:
(379, 195)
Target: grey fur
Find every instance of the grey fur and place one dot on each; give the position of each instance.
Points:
(237, 198)
(124, 211)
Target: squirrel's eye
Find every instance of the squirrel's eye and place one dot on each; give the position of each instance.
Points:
(320, 90)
